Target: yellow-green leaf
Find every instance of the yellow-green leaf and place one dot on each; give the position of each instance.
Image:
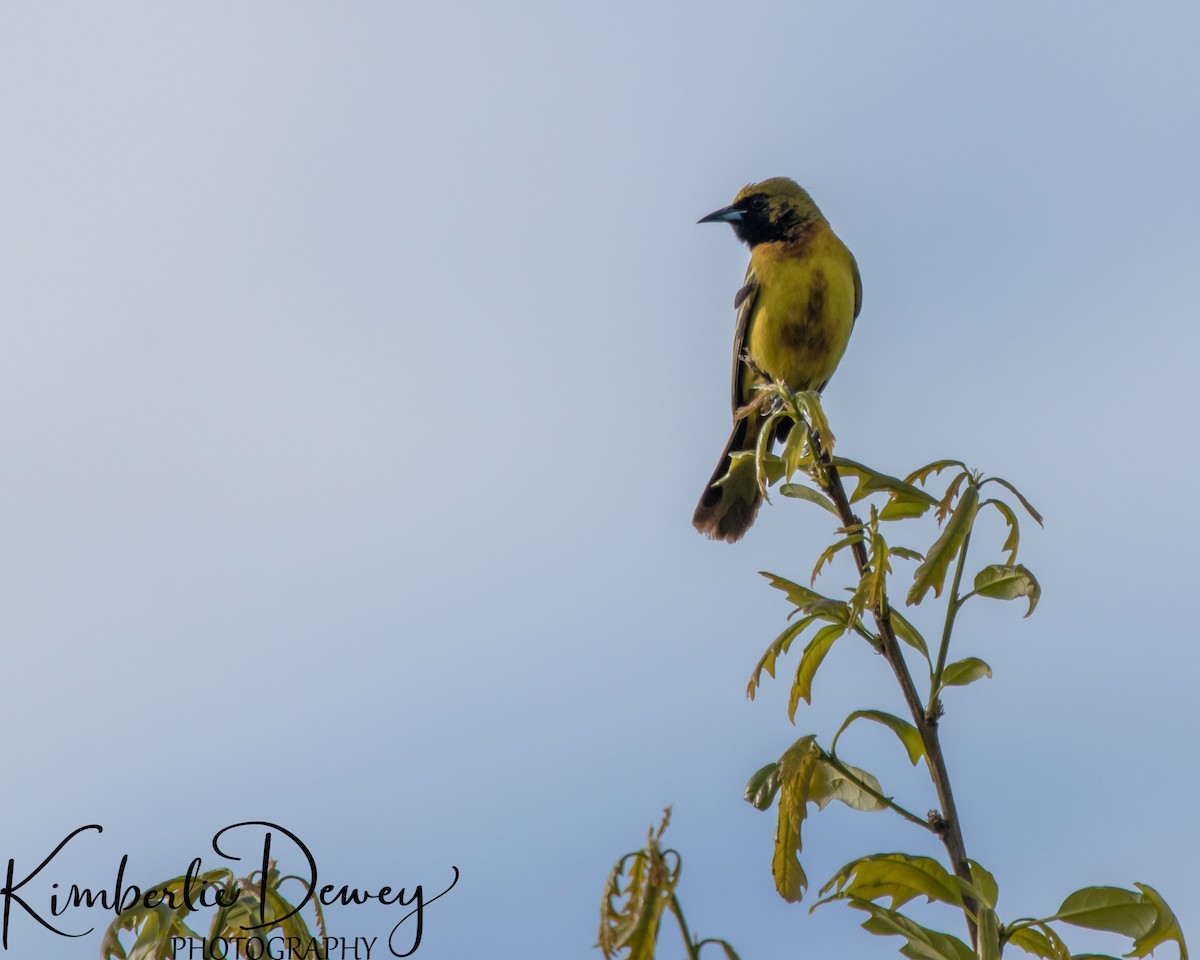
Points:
(962, 672)
(810, 662)
(904, 731)
(796, 768)
(932, 573)
(897, 875)
(908, 633)
(1166, 926)
(829, 784)
(800, 491)
(1001, 581)
(1108, 908)
(923, 943)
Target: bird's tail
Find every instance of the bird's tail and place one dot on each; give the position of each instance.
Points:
(731, 499)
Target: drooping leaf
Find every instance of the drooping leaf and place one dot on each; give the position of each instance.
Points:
(905, 553)
(829, 784)
(1017, 493)
(904, 731)
(830, 552)
(906, 632)
(730, 953)
(1014, 528)
(1166, 926)
(932, 573)
(922, 943)
(810, 662)
(1003, 582)
(1031, 941)
(779, 646)
(962, 672)
(796, 768)
(762, 786)
(932, 469)
(800, 491)
(984, 884)
(897, 875)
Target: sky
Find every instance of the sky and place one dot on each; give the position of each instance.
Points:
(362, 366)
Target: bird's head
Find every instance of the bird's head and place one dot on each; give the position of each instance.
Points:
(773, 210)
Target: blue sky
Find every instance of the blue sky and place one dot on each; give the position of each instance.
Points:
(362, 367)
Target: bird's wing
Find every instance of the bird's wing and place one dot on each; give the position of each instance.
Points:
(743, 302)
(857, 285)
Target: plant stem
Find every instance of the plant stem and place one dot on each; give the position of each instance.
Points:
(951, 831)
(693, 948)
(951, 612)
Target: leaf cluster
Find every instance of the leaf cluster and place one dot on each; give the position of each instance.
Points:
(639, 890)
(240, 910)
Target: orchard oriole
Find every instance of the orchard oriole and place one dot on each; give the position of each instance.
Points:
(794, 316)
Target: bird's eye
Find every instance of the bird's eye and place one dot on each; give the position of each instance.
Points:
(755, 203)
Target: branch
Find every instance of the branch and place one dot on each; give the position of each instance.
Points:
(926, 723)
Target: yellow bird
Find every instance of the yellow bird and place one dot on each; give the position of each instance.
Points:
(794, 316)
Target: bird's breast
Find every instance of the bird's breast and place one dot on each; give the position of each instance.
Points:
(803, 312)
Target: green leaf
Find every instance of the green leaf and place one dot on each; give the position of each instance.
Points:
(1033, 942)
(638, 890)
(810, 662)
(730, 953)
(984, 884)
(1108, 908)
(795, 453)
(932, 573)
(1017, 493)
(923, 474)
(902, 510)
(871, 593)
(1166, 926)
(779, 646)
(905, 553)
(897, 875)
(944, 505)
(871, 481)
(800, 491)
(908, 633)
(988, 934)
(923, 943)
(769, 467)
(1003, 582)
(1014, 531)
(762, 786)
(962, 672)
(796, 769)
(829, 784)
(795, 593)
(904, 731)
(830, 552)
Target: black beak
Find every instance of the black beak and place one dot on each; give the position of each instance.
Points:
(724, 215)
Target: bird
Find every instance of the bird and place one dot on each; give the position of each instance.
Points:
(795, 313)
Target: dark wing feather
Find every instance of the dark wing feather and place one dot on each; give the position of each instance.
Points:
(743, 302)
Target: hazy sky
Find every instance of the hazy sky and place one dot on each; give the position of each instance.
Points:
(362, 366)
